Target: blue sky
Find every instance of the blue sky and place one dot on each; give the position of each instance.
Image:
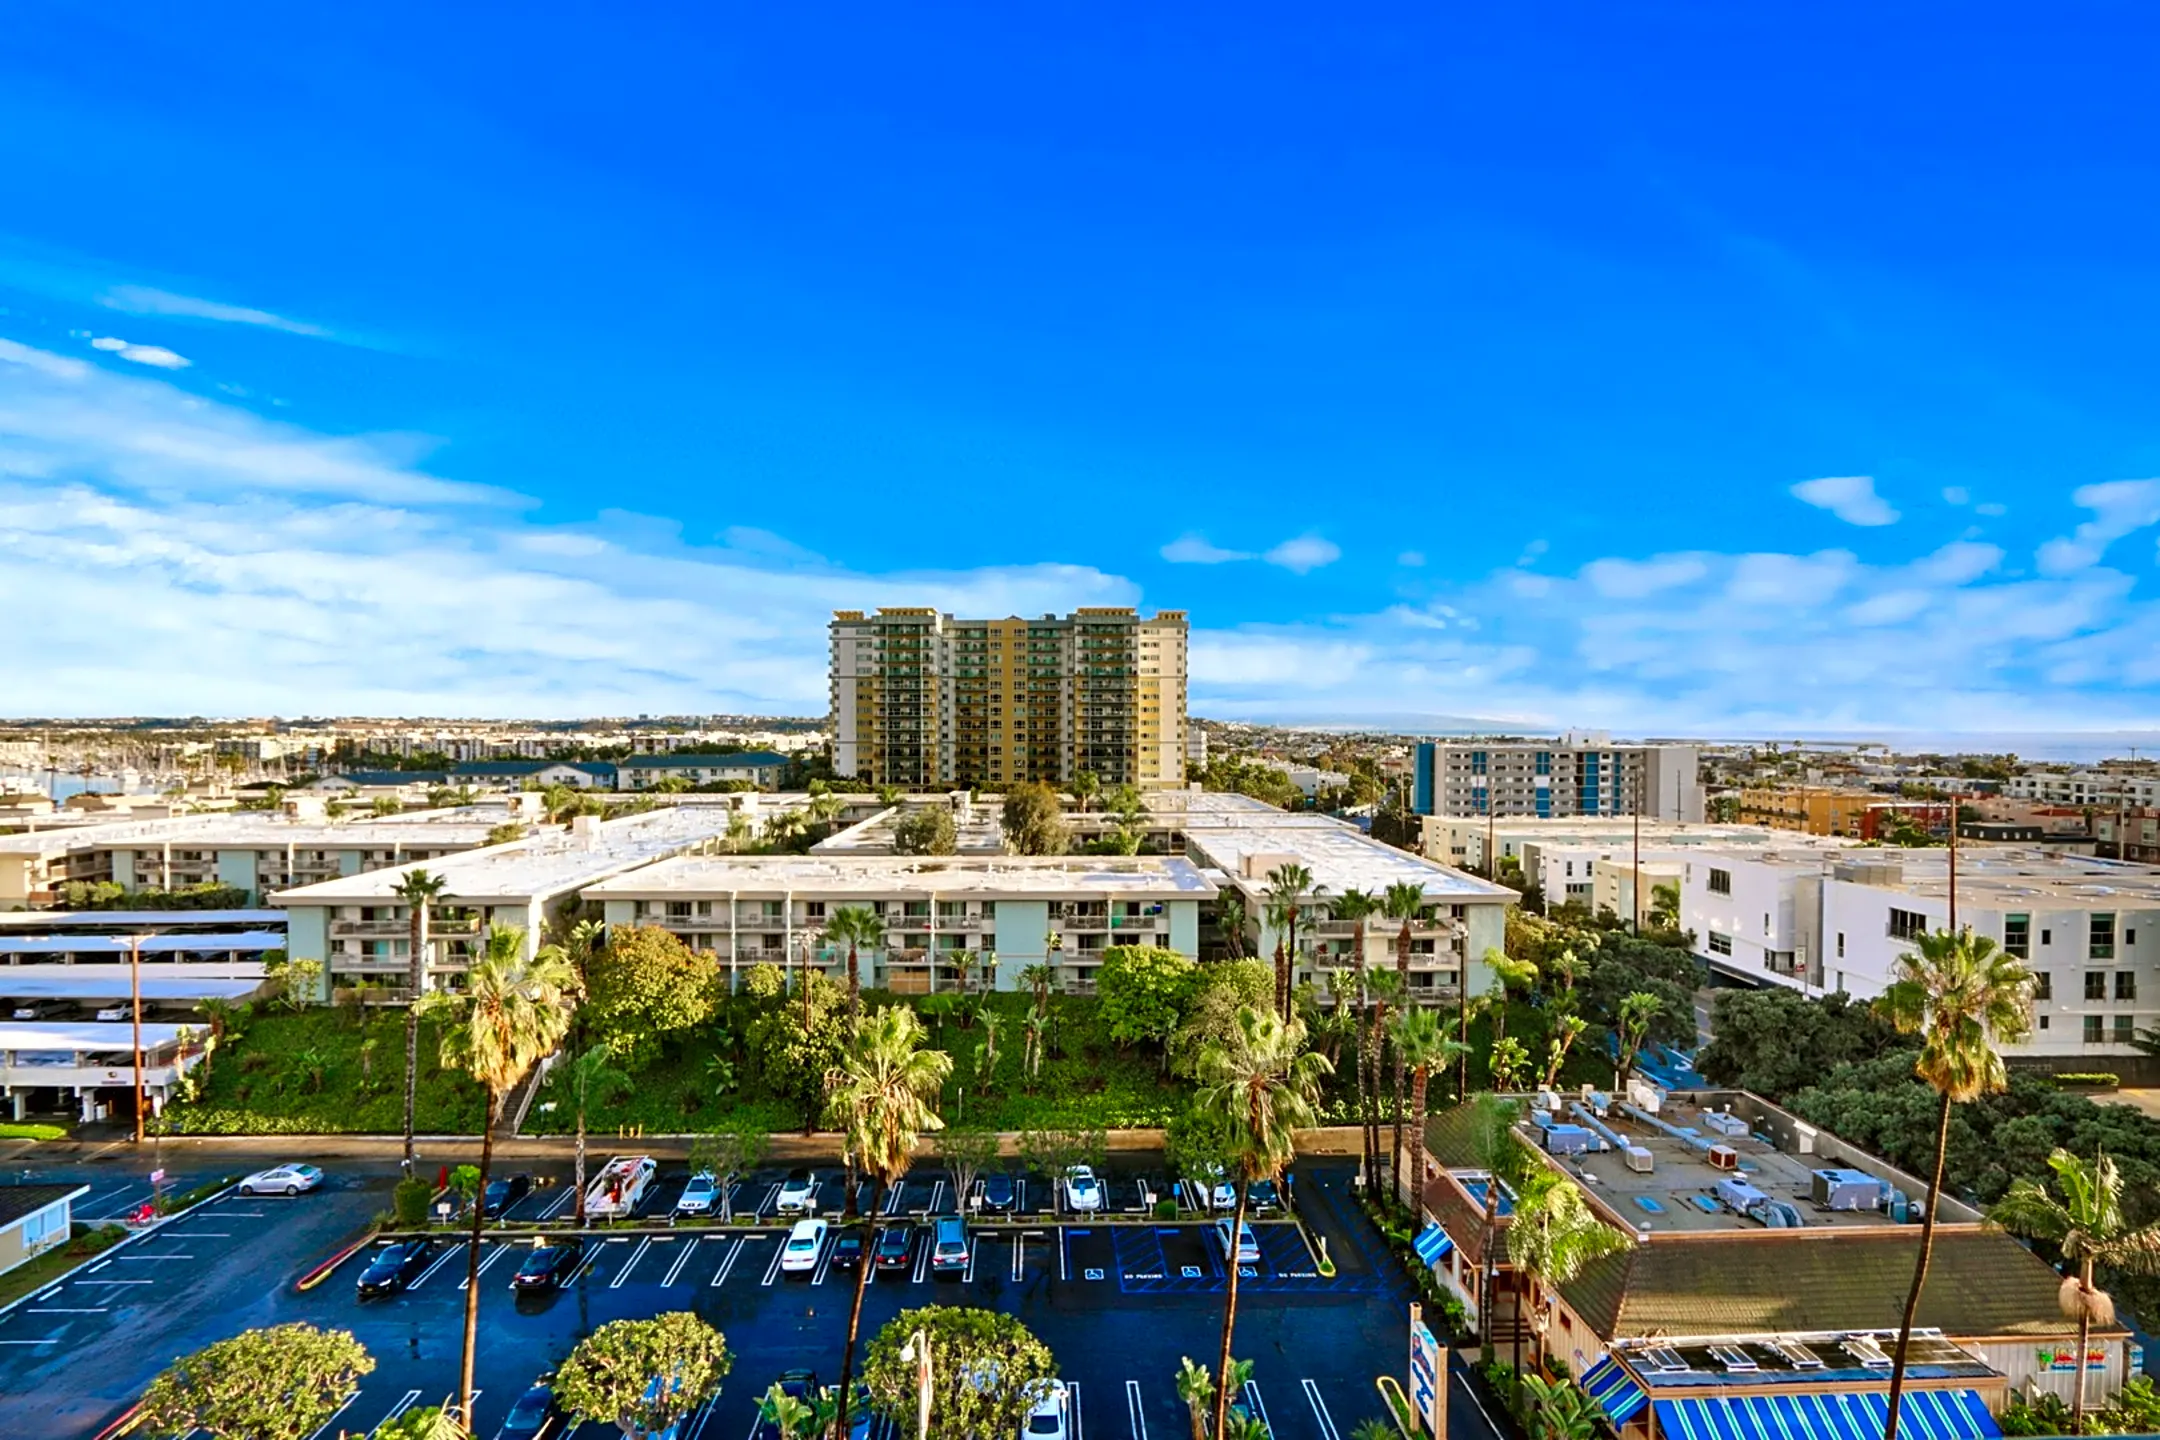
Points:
(1655, 367)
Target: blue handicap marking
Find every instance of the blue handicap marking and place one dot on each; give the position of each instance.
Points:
(1093, 1272)
(1191, 1272)
(1248, 1272)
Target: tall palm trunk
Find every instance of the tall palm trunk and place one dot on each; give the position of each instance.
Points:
(580, 1173)
(416, 974)
(2085, 1290)
(1919, 1279)
(1462, 1028)
(1364, 1035)
(1417, 1137)
(854, 987)
(1229, 1314)
(1282, 977)
(472, 1257)
(1402, 971)
(854, 1319)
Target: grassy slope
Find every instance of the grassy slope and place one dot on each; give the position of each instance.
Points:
(259, 1082)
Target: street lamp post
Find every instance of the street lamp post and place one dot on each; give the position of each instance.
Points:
(135, 990)
(917, 1349)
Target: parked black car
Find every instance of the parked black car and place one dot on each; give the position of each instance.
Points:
(551, 1264)
(896, 1246)
(533, 1415)
(394, 1266)
(847, 1248)
(503, 1193)
(999, 1193)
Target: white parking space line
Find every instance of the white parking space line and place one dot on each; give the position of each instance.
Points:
(145, 1259)
(635, 1255)
(728, 1264)
(495, 1251)
(196, 1235)
(115, 1282)
(560, 1203)
(922, 1256)
(773, 1270)
(974, 1248)
(772, 1193)
(1064, 1265)
(334, 1415)
(440, 1261)
(100, 1265)
(937, 1197)
(1320, 1412)
(824, 1264)
(67, 1310)
(53, 1340)
(1259, 1406)
(1135, 1410)
(682, 1260)
(404, 1403)
(118, 1202)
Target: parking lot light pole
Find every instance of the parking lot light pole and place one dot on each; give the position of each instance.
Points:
(918, 1350)
(135, 990)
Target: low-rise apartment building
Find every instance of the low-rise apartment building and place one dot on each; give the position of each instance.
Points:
(2101, 789)
(1811, 809)
(948, 921)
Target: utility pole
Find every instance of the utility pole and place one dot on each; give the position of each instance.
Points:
(135, 988)
(1635, 804)
(1953, 860)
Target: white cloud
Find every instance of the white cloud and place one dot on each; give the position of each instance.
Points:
(156, 355)
(1958, 563)
(2119, 507)
(1851, 498)
(1304, 554)
(143, 300)
(1633, 579)
(1194, 549)
(1956, 495)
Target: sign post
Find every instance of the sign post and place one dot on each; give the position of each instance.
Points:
(1428, 1379)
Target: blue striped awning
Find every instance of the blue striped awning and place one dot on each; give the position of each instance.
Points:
(1926, 1415)
(1615, 1391)
(1432, 1244)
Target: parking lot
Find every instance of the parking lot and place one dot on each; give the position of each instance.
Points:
(1118, 1302)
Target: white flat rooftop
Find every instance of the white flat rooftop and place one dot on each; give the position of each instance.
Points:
(1340, 856)
(136, 920)
(254, 831)
(151, 944)
(95, 1037)
(2014, 876)
(950, 877)
(544, 867)
(174, 982)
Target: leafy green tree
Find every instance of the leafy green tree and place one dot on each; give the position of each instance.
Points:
(882, 1093)
(1962, 997)
(968, 1151)
(511, 1015)
(1034, 821)
(1776, 1042)
(790, 1044)
(283, 1383)
(1549, 1240)
(1142, 990)
(2089, 1229)
(642, 1376)
(796, 1419)
(1263, 1087)
(418, 890)
(1638, 1010)
(856, 927)
(928, 831)
(644, 986)
(730, 1155)
(1230, 920)
(587, 1075)
(987, 1370)
(423, 1422)
(1196, 1143)
(1210, 1017)
(1665, 905)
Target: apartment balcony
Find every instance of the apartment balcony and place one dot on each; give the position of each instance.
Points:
(1129, 923)
(373, 930)
(1085, 922)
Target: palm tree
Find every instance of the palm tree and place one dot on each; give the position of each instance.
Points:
(881, 1096)
(1385, 991)
(418, 890)
(1962, 997)
(1275, 916)
(1403, 901)
(1289, 886)
(1085, 786)
(588, 1073)
(2088, 1228)
(1357, 906)
(1040, 978)
(1424, 1045)
(853, 926)
(1260, 1088)
(511, 1015)
(1499, 1154)
(1230, 921)
(1552, 1236)
(1196, 1387)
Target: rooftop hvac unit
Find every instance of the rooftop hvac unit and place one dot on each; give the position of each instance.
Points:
(1845, 1189)
(1640, 1160)
(1724, 1157)
(1724, 1123)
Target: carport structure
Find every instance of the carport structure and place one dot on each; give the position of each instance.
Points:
(81, 1058)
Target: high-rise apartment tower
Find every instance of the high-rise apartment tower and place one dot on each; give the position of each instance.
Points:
(1579, 773)
(927, 702)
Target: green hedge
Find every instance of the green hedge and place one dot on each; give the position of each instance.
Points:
(2091, 1077)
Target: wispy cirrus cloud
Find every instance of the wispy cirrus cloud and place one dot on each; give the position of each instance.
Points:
(147, 300)
(156, 355)
(2120, 508)
(1300, 555)
(1195, 549)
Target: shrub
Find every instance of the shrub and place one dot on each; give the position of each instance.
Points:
(2101, 1078)
(410, 1202)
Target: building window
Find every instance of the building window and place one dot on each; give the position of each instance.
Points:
(2096, 984)
(1720, 944)
(1766, 922)
(2017, 936)
(2043, 985)
(1907, 924)
(2100, 937)
(1840, 944)
(2043, 1022)
(2126, 984)
(2047, 937)
(1721, 882)
(2125, 1029)
(2092, 1030)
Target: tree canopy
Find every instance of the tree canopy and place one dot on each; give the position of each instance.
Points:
(645, 984)
(1210, 1017)
(987, 1370)
(282, 1383)
(1144, 990)
(1774, 1042)
(927, 831)
(644, 1375)
(1034, 821)
(791, 1045)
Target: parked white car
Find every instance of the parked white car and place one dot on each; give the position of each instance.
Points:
(1051, 1419)
(699, 1195)
(1082, 1190)
(804, 1243)
(617, 1191)
(798, 1193)
(1247, 1249)
(282, 1180)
